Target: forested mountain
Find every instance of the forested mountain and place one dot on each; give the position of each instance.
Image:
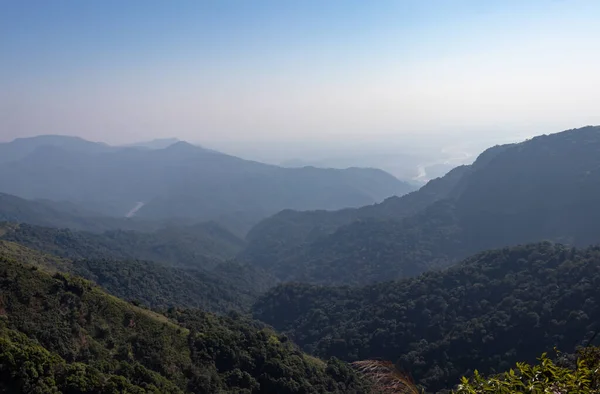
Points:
(66, 215)
(486, 313)
(545, 188)
(62, 334)
(200, 246)
(222, 289)
(183, 181)
(189, 267)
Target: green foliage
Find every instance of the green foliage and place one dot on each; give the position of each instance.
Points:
(486, 313)
(544, 377)
(218, 287)
(202, 245)
(61, 333)
(228, 286)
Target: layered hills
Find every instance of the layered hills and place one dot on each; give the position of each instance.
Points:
(174, 267)
(483, 268)
(545, 188)
(179, 181)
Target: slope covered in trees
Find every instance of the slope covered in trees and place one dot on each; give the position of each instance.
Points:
(200, 246)
(486, 313)
(228, 286)
(182, 275)
(545, 188)
(62, 334)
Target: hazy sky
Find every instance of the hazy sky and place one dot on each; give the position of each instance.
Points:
(247, 71)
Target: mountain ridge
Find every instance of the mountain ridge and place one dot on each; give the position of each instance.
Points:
(540, 189)
(185, 181)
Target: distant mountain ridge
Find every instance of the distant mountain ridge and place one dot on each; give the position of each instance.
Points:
(159, 143)
(545, 188)
(180, 180)
(23, 147)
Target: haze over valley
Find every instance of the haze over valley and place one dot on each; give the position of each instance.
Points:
(300, 198)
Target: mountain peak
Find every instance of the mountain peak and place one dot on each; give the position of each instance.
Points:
(158, 143)
(183, 146)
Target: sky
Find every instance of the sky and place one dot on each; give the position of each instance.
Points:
(307, 74)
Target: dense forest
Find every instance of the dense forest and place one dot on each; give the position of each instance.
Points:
(62, 334)
(224, 287)
(200, 246)
(486, 313)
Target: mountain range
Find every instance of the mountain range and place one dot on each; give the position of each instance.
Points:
(545, 188)
(179, 181)
(485, 267)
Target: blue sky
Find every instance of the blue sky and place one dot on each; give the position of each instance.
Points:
(227, 71)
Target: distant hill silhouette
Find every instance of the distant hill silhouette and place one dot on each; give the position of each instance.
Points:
(159, 143)
(180, 180)
(23, 147)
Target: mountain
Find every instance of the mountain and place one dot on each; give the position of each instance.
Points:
(172, 267)
(160, 143)
(275, 237)
(224, 288)
(60, 333)
(545, 188)
(23, 147)
(64, 214)
(486, 313)
(185, 181)
(200, 246)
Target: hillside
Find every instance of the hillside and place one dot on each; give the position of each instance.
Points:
(184, 181)
(487, 312)
(200, 246)
(62, 334)
(289, 229)
(225, 288)
(542, 189)
(66, 215)
(189, 267)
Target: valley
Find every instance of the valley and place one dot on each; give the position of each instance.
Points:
(299, 197)
(495, 263)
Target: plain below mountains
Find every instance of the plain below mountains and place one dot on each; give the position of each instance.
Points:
(179, 181)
